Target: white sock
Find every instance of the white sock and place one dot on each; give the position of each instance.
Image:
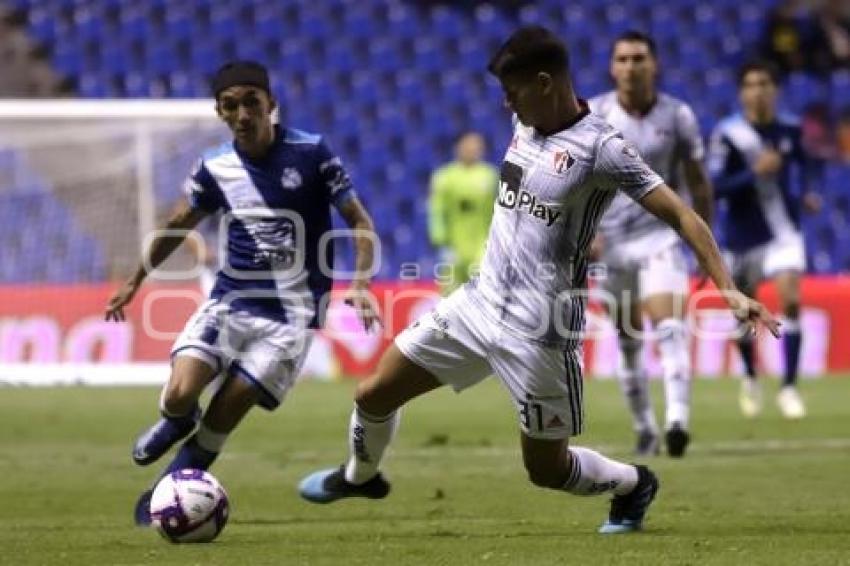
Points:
(635, 385)
(591, 473)
(368, 438)
(209, 440)
(676, 363)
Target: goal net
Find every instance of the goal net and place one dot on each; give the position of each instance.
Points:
(82, 185)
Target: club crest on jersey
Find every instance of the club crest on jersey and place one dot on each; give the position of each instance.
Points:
(290, 178)
(630, 150)
(563, 161)
(522, 200)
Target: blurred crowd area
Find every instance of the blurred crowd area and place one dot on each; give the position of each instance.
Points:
(390, 83)
(813, 38)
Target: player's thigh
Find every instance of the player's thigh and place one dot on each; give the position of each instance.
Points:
(748, 270)
(196, 356)
(396, 380)
(788, 286)
(621, 298)
(231, 403)
(443, 347)
(545, 384)
(545, 460)
(663, 282)
(665, 305)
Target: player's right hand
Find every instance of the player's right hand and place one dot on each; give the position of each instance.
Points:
(751, 313)
(361, 300)
(115, 306)
(769, 162)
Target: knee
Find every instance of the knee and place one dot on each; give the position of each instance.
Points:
(178, 398)
(544, 477)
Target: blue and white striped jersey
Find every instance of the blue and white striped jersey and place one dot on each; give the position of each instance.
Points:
(276, 220)
(758, 210)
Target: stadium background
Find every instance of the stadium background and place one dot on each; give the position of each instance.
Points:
(391, 84)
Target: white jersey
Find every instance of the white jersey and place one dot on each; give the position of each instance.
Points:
(665, 136)
(552, 193)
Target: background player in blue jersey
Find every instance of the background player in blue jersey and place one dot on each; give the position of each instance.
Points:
(275, 187)
(761, 172)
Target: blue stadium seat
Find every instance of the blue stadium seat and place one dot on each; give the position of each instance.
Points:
(369, 72)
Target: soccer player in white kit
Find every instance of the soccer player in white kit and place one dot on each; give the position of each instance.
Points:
(275, 187)
(522, 318)
(646, 268)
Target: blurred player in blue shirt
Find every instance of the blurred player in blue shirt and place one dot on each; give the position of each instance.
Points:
(760, 170)
(274, 188)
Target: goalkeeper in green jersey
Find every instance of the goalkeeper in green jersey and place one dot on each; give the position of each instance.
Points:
(460, 209)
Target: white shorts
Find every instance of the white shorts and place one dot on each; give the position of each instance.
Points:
(266, 353)
(658, 272)
(461, 346)
(786, 253)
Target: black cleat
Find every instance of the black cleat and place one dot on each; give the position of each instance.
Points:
(627, 511)
(648, 444)
(677, 440)
(326, 486)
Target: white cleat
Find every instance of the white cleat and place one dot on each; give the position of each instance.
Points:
(790, 403)
(750, 398)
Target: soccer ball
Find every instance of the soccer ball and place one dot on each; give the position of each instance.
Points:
(189, 506)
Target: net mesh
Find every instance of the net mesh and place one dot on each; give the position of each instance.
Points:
(78, 194)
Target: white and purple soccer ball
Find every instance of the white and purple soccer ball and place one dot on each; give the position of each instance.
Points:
(189, 506)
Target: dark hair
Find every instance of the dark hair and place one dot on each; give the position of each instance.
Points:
(758, 66)
(234, 73)
(638, 36)
(530, 50)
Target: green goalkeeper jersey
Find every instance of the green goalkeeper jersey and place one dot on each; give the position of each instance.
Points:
(460, 210)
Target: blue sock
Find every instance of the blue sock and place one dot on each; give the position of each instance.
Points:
(746, 346)
(792, 341)
(191, 455)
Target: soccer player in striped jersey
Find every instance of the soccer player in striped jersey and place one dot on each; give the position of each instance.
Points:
(522, 317)
(275, 188)
(646, 268)
(762, 177)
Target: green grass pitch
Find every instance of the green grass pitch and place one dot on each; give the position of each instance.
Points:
(766, 491)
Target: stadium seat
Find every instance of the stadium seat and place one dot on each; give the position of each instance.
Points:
(362, 71)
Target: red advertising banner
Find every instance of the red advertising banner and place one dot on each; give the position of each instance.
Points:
(63, 326)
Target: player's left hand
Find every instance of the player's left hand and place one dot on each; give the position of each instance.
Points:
(361, 300)
(752, 313)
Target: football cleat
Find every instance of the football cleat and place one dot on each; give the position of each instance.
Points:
(142, 512)
(677, 439)
(790, 403)
(647, 444)
(749, 398)
(627, 511)
(159, 438)
(326, 486)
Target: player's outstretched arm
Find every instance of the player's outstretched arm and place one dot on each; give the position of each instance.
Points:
(702, 197)
(167, 239)
(358, 296)
(666, 205)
